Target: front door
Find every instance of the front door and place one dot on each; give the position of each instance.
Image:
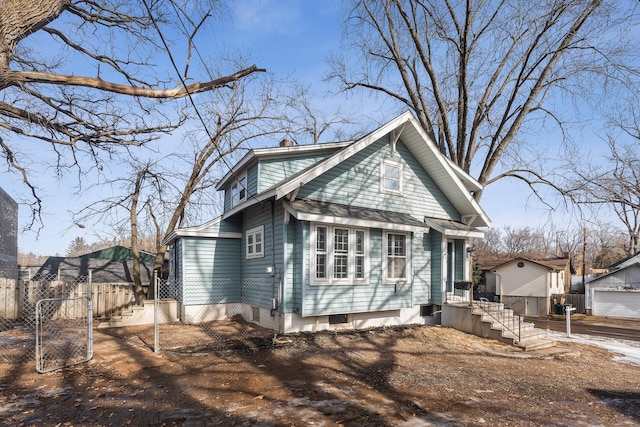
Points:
(531, 306)
(450, 266)
(449, 273)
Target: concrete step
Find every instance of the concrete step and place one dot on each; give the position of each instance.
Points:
(531, 344)
(504, 318)
(531, 333)
(496, 314)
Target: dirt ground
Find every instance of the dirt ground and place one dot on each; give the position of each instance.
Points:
(413, 376)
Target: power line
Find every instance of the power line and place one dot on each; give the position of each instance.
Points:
(184, 85)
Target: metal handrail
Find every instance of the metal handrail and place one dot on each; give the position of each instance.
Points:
(499, 313)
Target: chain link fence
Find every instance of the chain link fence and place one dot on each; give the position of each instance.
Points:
(197, 317)
(48, 321)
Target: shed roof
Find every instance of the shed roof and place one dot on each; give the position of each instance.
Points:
(311, 210)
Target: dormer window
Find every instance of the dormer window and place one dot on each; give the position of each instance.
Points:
(239, 191)
(391, 177)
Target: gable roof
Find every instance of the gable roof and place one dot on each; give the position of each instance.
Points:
(554, 264)
(424, 150)
(118, 253)
(256, 154)
(629, 266)
(452, 181)
(109, 265)
(630, 260)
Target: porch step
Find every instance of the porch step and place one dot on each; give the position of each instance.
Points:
(145, 314)
(501, 319)
(531, 344)
(134, 315)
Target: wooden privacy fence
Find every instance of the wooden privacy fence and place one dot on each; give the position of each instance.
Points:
(18, 298)
(576, 300)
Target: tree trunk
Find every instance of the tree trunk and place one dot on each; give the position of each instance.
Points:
(19, 18)
(140, 296)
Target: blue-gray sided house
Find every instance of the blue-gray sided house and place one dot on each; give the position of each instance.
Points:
(353, 234)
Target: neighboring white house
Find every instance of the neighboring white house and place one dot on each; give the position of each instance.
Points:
(531, 287)
(617, 293)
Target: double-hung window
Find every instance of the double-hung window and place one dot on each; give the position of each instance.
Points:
(340, 254)
(396, 257)
(239, 191)
(391, 177)
(255, 242)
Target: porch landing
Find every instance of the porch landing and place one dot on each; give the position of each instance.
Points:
(494, 321)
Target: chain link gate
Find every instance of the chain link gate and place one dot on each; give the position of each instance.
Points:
(64, 333)
(46, 320)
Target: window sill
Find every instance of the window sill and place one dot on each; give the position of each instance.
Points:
(334, 283)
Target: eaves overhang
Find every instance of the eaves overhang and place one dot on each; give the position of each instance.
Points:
(454, 229)
(333, 213)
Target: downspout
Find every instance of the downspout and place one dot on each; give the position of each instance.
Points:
(285, 266)
(274, 273)
(499, 281)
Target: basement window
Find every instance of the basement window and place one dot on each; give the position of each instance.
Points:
(335, 319)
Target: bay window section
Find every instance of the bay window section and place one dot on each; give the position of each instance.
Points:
(321, 253)
(360, 254)
(340, 255)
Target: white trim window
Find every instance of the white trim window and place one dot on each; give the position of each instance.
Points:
(391, 177)
(396, 257)
(239, 191)
(339, 254)
(255, 242)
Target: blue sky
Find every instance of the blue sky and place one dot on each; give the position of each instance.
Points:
(291, 39)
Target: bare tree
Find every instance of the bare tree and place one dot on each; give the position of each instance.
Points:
(490, 246)
(474, 73)
(174, 189)
(525, 241)
(606, 245)
(78, 247)
(85, 76)
(309, 122)
(614, 183)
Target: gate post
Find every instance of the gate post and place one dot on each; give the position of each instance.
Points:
(90, 315)
(156, 322)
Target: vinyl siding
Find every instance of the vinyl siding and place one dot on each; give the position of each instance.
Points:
(259, 287)
(421, 261)
(210, 270)
(252, 186)
(356, 182)
(273, 171)
(292, 293)
(356, 298)
(436, 267)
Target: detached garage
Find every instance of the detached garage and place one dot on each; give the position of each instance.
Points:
(615, 294)
(616, 303)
